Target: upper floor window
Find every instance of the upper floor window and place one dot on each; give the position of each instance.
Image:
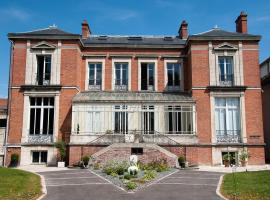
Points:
(225, 70)
(173, 76)
(147, 76)
(43, 69)
(95, 76)
(41, 115)
(3, 123)
(121, 76)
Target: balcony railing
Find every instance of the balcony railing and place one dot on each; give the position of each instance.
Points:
(226, 80)
(120, 86)
(94, 87)
(228, 136)
(40, 139)
(43, 82)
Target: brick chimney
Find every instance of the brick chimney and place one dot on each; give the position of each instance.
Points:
(183, 30)
(241, 23)
(86, 32)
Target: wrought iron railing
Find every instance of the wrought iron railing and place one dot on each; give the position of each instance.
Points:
(228, 136)
(226, 80)
(94, 87)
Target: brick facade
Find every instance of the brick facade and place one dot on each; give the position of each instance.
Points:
(194, 52)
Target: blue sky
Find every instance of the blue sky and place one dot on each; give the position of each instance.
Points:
(129, 17)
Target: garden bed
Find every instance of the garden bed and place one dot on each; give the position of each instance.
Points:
(117, 173)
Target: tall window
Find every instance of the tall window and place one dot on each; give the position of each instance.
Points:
(120, 119)
(94, 122)
(225, 70)
(95, 76)
(147, 76)
(121, 76)
(43, 69)
(227, 118)
(173, 76)
(41, 115)
(148, 119)
(179, 119)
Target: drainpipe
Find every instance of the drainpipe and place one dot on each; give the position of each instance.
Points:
(9, 99)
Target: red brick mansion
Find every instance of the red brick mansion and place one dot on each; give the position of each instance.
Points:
(155, 96)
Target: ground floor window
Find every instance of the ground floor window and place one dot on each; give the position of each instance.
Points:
(121, 119)
(39, 157)
(148, 116)
(179, 119)
(232, 157)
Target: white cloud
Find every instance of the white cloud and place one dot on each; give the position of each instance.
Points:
(15, 13)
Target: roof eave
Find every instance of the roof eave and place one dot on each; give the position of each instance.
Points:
(150, 46)
(41, 36)
(242, 38)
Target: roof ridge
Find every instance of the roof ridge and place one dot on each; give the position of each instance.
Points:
(147, 36)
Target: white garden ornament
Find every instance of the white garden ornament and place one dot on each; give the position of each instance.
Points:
(133, 170)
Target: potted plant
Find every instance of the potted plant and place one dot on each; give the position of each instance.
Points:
(181, 161)
(243, 157)
(61, 146)
(226, 159)
(14, 160)
(85, 161)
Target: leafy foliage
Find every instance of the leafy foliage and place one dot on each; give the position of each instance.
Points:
(131, 185)
(62, 147)
(115, 167)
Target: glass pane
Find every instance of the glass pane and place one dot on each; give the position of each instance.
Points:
(51, 120)
(170, 77)
(45, 101)
(45, 121)
(32, 121)
(176, 74)
(35, 157)
(38, 113)
(38, 101)
(52, 101)
(43, 158)
(32, 101)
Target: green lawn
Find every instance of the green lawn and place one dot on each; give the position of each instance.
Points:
(249, 185)
(19, 185)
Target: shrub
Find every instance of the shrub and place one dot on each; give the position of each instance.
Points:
(157, 165)
(131, 185)
(113, 174)
(85, 160)
(127, 176)
(149, 175)
(61, 146)
(181, 161)
(115, 167)
(14, 160)
(96, 166)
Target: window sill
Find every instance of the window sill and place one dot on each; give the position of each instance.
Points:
(226, 88)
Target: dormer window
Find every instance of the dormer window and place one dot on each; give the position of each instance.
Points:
(43, 69)
(225, 70)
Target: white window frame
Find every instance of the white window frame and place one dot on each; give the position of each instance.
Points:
(95, 75)
(242, 112)
(148, 109)
(180, 61)
(95, 60)
(121, 60)
(121, 108)
(39, 158)
(42, 107)
(44, 69)
(140, 61)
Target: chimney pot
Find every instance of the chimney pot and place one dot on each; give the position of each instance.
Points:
(86, 32)
(241, 23)
(183, 30)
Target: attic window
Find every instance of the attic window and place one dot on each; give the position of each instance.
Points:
(103, 37)
(135, 38)
(168, 38)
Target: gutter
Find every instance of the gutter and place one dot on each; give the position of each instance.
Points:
(9, 99)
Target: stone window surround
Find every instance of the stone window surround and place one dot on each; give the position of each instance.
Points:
(95, 60)
(180, 61)
(241, 97)
(121, 60)
(235, 52)
(147, 60)
(31, 63)
(26, 113)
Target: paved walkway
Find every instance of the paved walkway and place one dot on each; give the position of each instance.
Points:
(82, 184)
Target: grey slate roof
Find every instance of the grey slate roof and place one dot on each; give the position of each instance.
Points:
(49, 32)
(217, 33)
(128, 97)
(134, 40)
